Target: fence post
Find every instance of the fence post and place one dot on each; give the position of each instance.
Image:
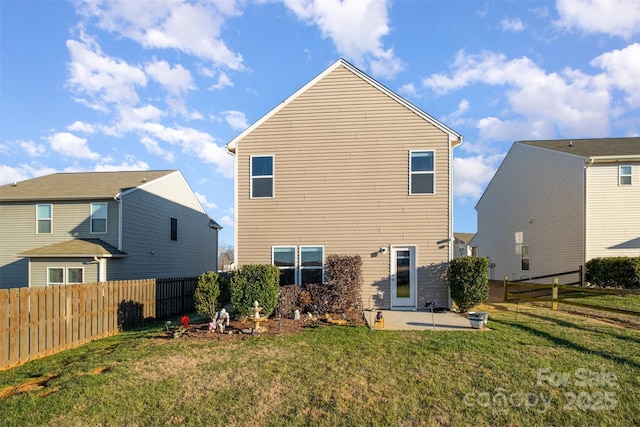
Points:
(505, 289)
(554, 295)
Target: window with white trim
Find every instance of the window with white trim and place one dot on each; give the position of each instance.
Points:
(311, 264)
(174, 229)
(261, 177)
(624, 175)
(44, 219)
(75, 275)
(284, 257)
(98, 217)
(299, 265)
(55, 276)
(421, 172)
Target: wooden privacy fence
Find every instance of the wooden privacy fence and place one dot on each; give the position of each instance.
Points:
(520, 291)
(40, 321)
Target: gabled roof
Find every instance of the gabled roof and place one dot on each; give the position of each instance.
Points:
(76, 248)
(454, 136)
(78, 186)
(598, 148)
(464, 237)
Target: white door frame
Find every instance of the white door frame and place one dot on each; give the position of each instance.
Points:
(409, 302)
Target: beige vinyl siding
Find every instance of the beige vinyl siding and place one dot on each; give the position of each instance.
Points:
(146, 233)
(613, 212)
(39, 267)
(18, 228)
(540, 193)
(341, 172)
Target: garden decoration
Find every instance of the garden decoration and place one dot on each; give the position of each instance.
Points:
(256, 318)
(478, 319)
(432, 304)
(221, 320)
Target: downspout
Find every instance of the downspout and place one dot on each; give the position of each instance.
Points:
(233, 150)
(452, 145)
(587, 164)
(118, 199)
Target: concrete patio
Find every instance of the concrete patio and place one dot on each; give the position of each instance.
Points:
(420, 321)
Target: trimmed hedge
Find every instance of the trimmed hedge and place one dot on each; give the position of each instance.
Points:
(468, 281)
(614, 272)
(257, 282)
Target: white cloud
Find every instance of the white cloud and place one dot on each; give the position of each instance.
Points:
(32, 149)
(512, 24)
(104, 80)
(204, 202)
(236, 119)
(176, 80)
(623, 71)
(226, 220)
(409, 90)
(472, 174)
(11, 174)
(455, 118)
(356, 28)
(153, 147)
(570, 102)
(70, 145)
(190, 27)
(223, 81)
(79, 126)
(612, 17)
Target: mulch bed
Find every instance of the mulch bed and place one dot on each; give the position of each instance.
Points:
(241, 329)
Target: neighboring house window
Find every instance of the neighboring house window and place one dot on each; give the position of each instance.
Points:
(174, 229)
(261, 176)
(74, 275)
(525, 257)
(311, 264)
(98, 217)
(421, 172)
(285, 259)
(44, 219)
(624, 175)
(55, 276)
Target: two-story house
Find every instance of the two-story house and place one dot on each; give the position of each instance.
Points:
(346, 166)
(553, 205)
(87, 227)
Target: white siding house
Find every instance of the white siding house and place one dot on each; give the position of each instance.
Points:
(553, 205)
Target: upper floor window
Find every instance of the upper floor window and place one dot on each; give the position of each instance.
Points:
(421, 172)
(174, 229)
(261, 176)
(44, 220)
(98, 217)
(284, 257)
(624, 175)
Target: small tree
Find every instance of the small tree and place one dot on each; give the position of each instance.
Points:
(260, 282)
(468, 281)
(207, 293)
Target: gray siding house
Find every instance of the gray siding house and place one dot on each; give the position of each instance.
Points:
(553, 205)
(345, 166)
(88, 227)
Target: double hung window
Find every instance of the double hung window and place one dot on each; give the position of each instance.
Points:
(624, 175)
(98, 217)
(299, 266)
(421, 172)
(44, 215)
(261, 177)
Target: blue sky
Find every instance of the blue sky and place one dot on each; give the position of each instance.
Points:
(102, 86)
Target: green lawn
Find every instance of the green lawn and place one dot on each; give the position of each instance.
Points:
(541, 368)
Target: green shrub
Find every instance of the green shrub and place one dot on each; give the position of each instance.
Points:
(206, 294)
(225, 288)
(614, 272)
(468, 281)
(258, 282)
